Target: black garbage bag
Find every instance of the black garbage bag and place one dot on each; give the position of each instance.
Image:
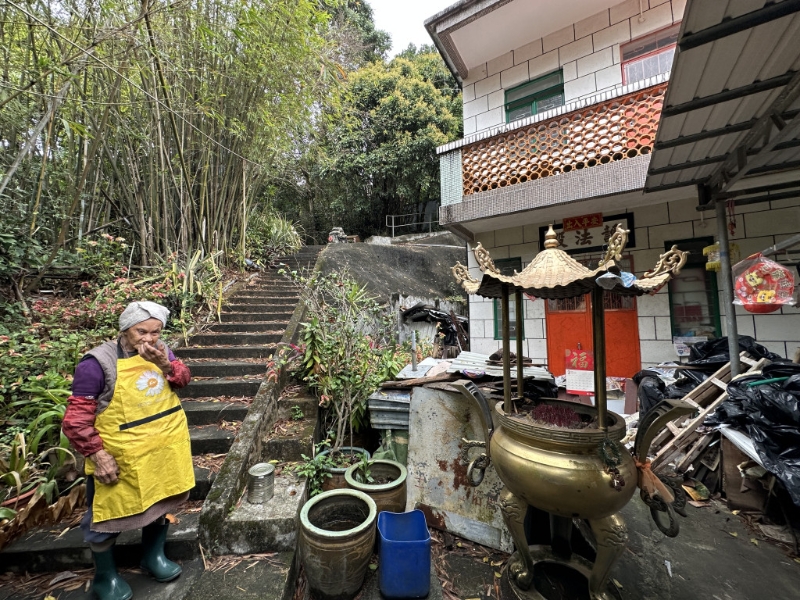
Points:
(715, 354)
(694, 375)
(770, 413)
(680, 388)
(536, 389)
(651, 391)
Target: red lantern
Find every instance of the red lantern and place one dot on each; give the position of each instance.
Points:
(761, 285)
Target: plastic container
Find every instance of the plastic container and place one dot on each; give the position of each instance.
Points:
(404, 564)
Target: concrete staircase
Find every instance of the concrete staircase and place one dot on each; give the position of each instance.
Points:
(228, 364)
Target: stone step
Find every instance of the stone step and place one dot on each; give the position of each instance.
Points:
(203, 478)
(260, 315)
(46, 549)
(209, 388)
(270, 579)
(308, 405)
(267, 292)
(273, 304)
(250, 326)
(228, 368)
(142, 585)
(278, 299)
(210, 439)
(235, 339)
(224, 352)
(267, 527)
(209, 412)
(290, 439)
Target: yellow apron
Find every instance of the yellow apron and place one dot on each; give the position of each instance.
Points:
(144, 428)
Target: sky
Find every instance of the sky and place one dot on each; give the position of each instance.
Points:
(404, 20)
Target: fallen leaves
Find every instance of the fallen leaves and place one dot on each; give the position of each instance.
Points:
(211, 462)
(444, 545)
(228, 562)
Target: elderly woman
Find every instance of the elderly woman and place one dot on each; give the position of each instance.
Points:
(125, 418)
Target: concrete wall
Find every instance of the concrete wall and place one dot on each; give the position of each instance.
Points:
(758, 226)
(588, 52)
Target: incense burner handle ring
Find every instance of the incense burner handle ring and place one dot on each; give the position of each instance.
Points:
(479, 464)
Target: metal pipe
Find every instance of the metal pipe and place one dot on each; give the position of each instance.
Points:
(414, 350)
(520, 317)
(506, 335)
(727, 287)
(599, 341)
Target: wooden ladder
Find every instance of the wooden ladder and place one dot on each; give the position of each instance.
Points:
(679, 439)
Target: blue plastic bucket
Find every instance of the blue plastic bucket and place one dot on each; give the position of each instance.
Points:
(404, 564)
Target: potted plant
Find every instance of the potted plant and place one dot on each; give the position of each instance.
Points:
(324, 472)
(347, 351)
(382, 480)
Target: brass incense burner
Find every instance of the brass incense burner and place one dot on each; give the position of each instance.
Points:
(577, 475)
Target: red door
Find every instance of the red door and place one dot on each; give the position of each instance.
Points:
(569, 327)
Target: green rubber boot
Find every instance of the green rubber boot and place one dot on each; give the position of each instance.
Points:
(154, 561)
(107, 584)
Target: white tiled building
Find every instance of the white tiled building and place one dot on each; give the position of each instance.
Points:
(562, 101)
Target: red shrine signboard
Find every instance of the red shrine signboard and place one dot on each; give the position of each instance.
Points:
(583, 222)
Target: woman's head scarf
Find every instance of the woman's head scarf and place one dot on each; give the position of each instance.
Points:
(136, 312)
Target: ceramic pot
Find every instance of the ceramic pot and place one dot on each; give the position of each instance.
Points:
(387, 496)
(337, 481)
(337, 535)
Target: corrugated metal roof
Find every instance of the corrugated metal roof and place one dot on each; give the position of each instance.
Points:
(737, 63)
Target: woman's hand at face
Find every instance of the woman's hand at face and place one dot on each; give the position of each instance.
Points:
(157, 354)
(106, 469)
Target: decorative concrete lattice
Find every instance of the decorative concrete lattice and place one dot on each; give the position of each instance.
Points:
(614, 130)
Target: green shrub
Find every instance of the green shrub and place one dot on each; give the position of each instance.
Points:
(270, 236)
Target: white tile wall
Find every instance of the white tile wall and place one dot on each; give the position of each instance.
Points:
(596, 61)
(779, 331)
(543, 64)
(651, 20)
(528, 51)
(588, 51)
(559, 38)
(609, 77)
(583, 50)
(592, 24)
(575, 50)
(501, 63)
(514, 76)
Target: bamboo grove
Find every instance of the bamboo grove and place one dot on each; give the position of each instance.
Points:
(160, 120)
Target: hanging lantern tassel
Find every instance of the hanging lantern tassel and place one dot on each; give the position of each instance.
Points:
(731, 217)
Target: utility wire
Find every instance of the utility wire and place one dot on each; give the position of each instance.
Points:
(135, 85)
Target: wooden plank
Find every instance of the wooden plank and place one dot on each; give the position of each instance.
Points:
(407, 383)
(695, 452)
(720, 384)
(686, 436)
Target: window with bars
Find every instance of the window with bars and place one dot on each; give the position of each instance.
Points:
(507, 266)
(693, 298)
(539, 95)
(650, 55)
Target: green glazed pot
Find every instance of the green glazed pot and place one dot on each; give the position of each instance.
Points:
(337, 535)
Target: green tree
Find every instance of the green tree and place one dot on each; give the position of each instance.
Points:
(159, 121)
(376, 150)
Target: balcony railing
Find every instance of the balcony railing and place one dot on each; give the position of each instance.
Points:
(613, 130)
